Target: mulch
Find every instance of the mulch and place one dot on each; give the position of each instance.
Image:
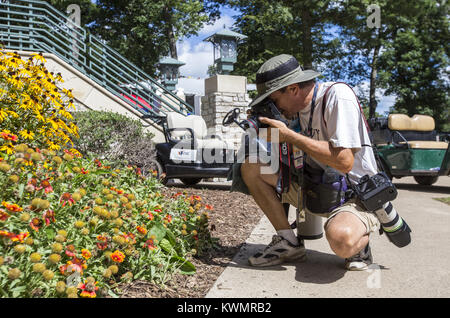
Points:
(232, 220)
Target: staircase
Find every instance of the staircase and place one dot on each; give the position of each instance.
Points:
(36, 26)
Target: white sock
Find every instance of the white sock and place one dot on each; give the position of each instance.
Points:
(288, 235)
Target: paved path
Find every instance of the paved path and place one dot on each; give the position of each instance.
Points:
(421, 269)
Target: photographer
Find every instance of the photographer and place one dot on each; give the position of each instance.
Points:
(333, 138)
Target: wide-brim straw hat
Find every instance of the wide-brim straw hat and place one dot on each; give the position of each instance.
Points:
(278, 72)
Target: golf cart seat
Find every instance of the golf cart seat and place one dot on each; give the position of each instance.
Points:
(193, 128)
(415, 132)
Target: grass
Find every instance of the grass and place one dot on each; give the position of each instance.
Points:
(444, 200)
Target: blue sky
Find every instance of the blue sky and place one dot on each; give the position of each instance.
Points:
(198, 55)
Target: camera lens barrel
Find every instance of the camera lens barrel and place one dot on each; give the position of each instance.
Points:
(396, 229)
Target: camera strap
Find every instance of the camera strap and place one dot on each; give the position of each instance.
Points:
(351, 192)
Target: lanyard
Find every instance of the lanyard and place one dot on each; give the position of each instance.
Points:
(313, 106)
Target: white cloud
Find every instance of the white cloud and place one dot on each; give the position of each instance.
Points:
(209, 29)
(196, 53)
(197, 59)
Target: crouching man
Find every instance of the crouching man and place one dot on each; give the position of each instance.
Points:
(333, 138)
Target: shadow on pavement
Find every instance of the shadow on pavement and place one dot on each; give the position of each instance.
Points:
(421, 188)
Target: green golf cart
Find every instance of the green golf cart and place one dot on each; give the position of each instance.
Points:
(410, 146)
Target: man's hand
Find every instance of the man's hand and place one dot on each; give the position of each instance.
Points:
(283, 130)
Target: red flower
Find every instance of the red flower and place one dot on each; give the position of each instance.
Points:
(8, 136)
(49, 217)
(98, 163)
(66, 198)
(70, 251)
(118, 256)
(3, 215)
(208, 207)
(149, 244)
(141, 230)
(75, 265)
(12, 207)
(88, 289)
(157, 210)
(46, 185)
(83, 171)
(150, 216)
(20, 237)
(102, 244)
(36, 224)
(168, 218)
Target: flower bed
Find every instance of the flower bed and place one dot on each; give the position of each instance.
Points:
(74, 227)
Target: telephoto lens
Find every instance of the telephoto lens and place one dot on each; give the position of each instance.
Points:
(396, 229)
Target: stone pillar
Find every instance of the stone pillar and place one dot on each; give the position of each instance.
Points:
(222, 94)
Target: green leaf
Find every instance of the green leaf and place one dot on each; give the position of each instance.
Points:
(50, 233)
(187, 268)
(159, 231)
(21, 187)
(166, 246)
(171, 237)
(112, 294)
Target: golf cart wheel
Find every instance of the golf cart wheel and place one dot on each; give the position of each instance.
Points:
(190, 181)
(160, 174)
(426, 180)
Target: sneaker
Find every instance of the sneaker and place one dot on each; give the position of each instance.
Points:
(278, 251)
(360, 261)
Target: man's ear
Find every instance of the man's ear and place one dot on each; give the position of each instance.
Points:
(294, 88)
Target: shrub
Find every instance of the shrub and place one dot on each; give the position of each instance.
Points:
(32, 107)
(114, 136)
(73, 226)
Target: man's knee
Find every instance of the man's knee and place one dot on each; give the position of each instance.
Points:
(343, 235)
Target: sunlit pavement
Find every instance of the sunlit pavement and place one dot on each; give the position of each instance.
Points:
(421, 269)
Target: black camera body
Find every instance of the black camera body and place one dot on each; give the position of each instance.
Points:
(373, 192)
(264, 109)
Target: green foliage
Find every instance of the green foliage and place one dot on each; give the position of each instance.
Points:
(145, 30)
(414, 65)
(114, 136)
(66, 220)
(298, 28)
(87, 7)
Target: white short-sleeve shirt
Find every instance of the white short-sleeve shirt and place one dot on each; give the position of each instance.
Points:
(342, 125)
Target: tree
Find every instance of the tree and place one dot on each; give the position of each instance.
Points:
(415, 65)
(88, 9)
(274, 27)
(145, 30)
(406, 54)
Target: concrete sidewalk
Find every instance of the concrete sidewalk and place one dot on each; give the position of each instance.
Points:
(421, 269)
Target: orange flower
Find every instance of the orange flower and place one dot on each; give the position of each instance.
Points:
(88, 289)
(208, 207)
(70, 250)
(149, 244)
(12, 207)
(46, 185)
(8, 136)
(20, 237)
(3, 215)
(49, 217)
(86, 254)
(66, 198)
(84, 171)
(141, 230)
(36, 224)
(118, 256)
(168, 218)
(75, 265)
(102, 244)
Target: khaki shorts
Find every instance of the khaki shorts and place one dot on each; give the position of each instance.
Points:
(369, 219)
